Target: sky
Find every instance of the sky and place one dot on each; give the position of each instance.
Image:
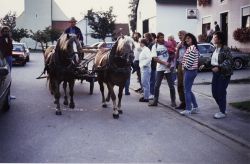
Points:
(79, 7)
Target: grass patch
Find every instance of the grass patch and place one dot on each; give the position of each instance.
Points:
(244, 105)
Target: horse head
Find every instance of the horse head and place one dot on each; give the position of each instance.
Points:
(67, 47)
(123, 51)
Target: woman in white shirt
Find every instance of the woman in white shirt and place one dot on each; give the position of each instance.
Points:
(145, 67)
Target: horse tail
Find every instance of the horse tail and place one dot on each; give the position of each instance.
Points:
(51, 83)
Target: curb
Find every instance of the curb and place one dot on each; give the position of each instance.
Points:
(230, 136)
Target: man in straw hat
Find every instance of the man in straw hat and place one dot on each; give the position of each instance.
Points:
(74, 30)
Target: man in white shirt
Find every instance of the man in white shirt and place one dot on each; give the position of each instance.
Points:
(135, 66)
(160, 55)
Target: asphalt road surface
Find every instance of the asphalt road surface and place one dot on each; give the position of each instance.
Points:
(31, 132)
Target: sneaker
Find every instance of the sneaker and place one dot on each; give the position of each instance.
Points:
(143, 100)
(219, 115)
(151, 97)
(185, 112)
(195, 110)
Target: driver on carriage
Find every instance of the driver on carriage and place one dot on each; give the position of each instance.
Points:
(73, 29)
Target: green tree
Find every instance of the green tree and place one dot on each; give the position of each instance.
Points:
(41, 37)
(54, 34)
(10, 20)
(45, 36)
(133, 5)
(102, 23)
(18, 34)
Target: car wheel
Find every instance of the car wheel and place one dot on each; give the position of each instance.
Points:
(6, 105)
(238, 63)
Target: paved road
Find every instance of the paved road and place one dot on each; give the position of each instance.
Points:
(31, 132)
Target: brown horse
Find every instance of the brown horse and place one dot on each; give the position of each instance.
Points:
(60, 64)
(113, 68)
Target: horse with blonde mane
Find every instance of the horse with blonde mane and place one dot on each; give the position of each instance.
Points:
(113, 67)
(60, 64)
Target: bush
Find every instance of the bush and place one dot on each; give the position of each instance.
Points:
(242, 35)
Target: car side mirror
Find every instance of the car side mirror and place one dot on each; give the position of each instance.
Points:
(4, 71)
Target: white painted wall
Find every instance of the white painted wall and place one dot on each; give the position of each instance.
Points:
(36, 16)
(173, 18)
(146, 10)
(57, 13)
(234, 9)
(168, 19)
(82, 25)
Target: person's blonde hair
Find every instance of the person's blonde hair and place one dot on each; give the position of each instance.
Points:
(171, 37)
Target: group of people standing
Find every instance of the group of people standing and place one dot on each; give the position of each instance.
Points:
(156, 58)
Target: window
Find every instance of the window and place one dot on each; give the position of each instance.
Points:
(245, 17)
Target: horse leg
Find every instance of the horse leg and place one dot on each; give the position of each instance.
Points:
(120, 98)
(104, 105)
(65, 93)
(108, 97)
(57, 98)
(71, 93)
(113, 97)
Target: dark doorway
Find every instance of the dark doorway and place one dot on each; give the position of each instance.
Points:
(224, 25)
(205, 27)
(145, 26)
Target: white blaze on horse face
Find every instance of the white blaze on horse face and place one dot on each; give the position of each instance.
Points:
(74, 47)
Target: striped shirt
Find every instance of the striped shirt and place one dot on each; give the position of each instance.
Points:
(190, 58)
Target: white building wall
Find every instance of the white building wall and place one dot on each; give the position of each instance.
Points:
(36, 16)
(168, 19)
(57, 13)
(82, 25)
(234, 9)
(173, 18)
(146, 10)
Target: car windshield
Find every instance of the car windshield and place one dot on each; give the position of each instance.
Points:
(18, 47)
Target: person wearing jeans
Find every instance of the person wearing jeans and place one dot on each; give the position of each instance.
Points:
(189, 77)
(160, 54)
(190, 66)
(145, 66)
(180, 51)
(222, 68)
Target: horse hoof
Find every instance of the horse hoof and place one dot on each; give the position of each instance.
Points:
(65, 103)
(120, 111)
(104, 105)
(71, 105)
(115, 116)
(58, 113)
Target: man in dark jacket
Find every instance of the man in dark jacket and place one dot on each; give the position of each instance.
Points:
(74, 30)
(6, 45)
(216, 27)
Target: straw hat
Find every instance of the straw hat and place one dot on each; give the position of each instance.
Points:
(72, 19)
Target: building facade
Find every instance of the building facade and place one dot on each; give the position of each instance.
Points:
(230, 15)
(37, 16)
(167, 16)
